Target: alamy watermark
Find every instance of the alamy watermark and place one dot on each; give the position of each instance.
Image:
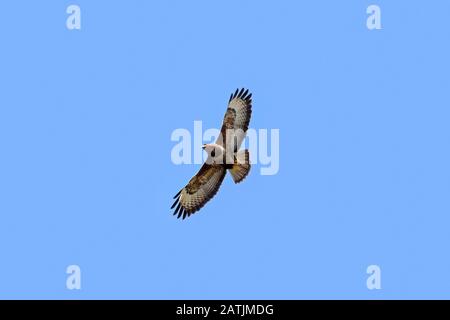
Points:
(374, 279)
(73, 281)
(263, 146)
(374, 19)
(73, 21)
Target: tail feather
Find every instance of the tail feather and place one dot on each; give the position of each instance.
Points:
(241, 166)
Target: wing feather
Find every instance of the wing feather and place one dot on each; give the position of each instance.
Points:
(200, 189)
(236, 120)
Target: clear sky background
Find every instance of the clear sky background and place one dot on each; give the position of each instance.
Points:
(86, 176)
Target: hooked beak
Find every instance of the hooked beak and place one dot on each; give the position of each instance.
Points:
(204, 146)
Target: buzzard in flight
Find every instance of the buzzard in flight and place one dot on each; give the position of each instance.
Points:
(222, 156)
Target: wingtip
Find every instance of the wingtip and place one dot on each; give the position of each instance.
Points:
(175, 203)
(177, 209)
(179, 192)
(241, 93)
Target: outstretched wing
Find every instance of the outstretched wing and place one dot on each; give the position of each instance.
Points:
(200, 189)
(236, 120)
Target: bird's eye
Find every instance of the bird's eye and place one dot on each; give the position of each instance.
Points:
(213, 153)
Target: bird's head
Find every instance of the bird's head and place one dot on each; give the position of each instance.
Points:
(209, 147)
(213, 150)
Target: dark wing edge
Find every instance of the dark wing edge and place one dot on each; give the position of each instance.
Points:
(184, 211)
(241, 94)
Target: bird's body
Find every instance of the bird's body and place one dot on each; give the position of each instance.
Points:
(223, 156)
(217, 154)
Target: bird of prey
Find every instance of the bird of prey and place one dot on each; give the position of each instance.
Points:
(223, 155)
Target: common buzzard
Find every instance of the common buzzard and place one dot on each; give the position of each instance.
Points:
(222, 156)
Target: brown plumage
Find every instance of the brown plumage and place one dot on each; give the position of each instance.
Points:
(222, 156)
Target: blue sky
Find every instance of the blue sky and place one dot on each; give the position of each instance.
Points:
(86, 176)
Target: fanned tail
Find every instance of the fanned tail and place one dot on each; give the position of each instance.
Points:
(241, 166)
